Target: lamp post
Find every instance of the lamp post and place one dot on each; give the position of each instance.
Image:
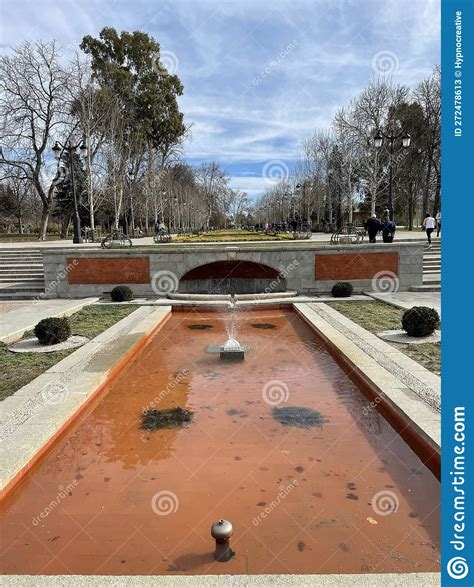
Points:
(71, 149)
(131, 177)
(392, 137)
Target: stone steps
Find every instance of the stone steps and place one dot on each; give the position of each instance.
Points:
(21, 274)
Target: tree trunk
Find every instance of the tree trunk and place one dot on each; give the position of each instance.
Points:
(426, 191)
(44, 222)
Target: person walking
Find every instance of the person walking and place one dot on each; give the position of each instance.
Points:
(438, 223)
(373, 227)
(388, 229)
(429, 225)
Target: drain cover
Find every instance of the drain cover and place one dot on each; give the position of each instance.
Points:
(263, 325)
(298, 417)
(171, 418)
(200, 326)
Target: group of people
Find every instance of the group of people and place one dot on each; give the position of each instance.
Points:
(387, 227)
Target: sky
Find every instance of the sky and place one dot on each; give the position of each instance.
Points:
(259, 76)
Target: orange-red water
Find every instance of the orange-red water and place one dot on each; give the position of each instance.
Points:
(300, 500)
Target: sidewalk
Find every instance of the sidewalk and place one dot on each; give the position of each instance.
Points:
(14, 323)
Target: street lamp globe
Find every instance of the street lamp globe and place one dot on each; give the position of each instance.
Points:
(84, 148)
(406, 140)
(378, 140)
(56, 151)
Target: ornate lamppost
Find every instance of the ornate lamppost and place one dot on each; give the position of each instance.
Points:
(71, 149)
(391, 138)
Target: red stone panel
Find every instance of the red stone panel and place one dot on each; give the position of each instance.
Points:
(104, 270)
(349, 266)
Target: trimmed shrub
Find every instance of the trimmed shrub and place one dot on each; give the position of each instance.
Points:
(53, 330)
(342, 289)
(121, 293)
(420, 321)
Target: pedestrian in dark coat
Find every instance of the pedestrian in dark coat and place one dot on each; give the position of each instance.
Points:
(373, 227)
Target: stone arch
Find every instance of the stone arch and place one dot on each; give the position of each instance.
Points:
(232, 277)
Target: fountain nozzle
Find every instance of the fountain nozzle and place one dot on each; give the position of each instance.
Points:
(221, 531)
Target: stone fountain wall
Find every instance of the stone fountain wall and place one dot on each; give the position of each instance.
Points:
(305, 268)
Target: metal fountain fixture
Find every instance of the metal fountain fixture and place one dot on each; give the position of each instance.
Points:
(232, 350)
(221, 531)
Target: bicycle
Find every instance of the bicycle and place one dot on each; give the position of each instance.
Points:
(116, 239)
(162, 236)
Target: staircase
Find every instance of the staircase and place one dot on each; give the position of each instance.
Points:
(431, 269)
(21, 274)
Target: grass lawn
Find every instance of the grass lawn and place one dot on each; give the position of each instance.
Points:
(18, 369)
(26, 238)
(377, 316)
(232, 235)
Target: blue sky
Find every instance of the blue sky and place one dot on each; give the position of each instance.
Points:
(259, 76)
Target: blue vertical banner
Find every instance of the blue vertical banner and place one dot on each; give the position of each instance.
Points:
(457, 503)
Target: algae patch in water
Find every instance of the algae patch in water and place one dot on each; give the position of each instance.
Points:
(170, 418)
(200, 326)
(263, 325)
(298, 417)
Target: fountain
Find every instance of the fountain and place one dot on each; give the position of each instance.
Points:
(232, 350)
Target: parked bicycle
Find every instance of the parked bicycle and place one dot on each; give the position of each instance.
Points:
(116, 239)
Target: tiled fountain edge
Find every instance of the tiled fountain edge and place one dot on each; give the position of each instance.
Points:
(37, 414)
(410, 389)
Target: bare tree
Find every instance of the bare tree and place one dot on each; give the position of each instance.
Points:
(32, 108)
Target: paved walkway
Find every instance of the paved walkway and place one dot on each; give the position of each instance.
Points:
(408, 299)
(402, 235)
(16, 321)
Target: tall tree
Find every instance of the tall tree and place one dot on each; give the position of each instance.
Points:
(32, 109)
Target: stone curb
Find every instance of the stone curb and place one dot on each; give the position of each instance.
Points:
(356, 580)
(401, 393)
(39, 412)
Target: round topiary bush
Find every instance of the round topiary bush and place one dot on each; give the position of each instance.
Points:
(53, 330)
(342, 289)
(420, 321)
(121, 293)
